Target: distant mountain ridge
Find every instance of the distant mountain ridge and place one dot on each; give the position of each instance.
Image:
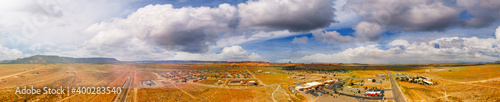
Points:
(177, 61)
(43, 59)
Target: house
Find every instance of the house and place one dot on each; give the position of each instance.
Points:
(300, 88)
(328, 81)
(252, 82)
(428, 82)
(423, 77)
(374, 92)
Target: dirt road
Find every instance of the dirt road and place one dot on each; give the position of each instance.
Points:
(18, 73)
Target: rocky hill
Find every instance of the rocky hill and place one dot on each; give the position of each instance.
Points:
(43, 59)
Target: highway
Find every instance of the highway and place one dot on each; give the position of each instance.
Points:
(123, 95)
(397, 93)
(363, 97)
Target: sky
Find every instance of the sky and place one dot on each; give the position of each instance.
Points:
(300, 31)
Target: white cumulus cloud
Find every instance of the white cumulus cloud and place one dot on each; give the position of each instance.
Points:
(331, 36)
(399, 43)
(497, 33)
(9, 54)
(237, 53)
(298, 40)
(442, 50)
(377, 16)
(163, 29)
(231, 53)
(184, 29)
(293, 15)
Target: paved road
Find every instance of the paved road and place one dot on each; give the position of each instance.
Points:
(123, 95)
(363, 97)
(397, 94)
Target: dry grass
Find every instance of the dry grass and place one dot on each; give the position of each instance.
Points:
(455, 85)
(469, 73)
(209, 81)
(206, 94)
(56, 75)
(366, 73)
(274, 78)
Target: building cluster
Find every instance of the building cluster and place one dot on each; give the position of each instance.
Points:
(316, 71)
(148, 82)
(241, 83)
(196, 75)
(68, 72)
(417, 79)
(298, 76)
(312, 85)
(310, 70)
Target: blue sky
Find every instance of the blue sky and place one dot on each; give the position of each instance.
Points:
(302, 31)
